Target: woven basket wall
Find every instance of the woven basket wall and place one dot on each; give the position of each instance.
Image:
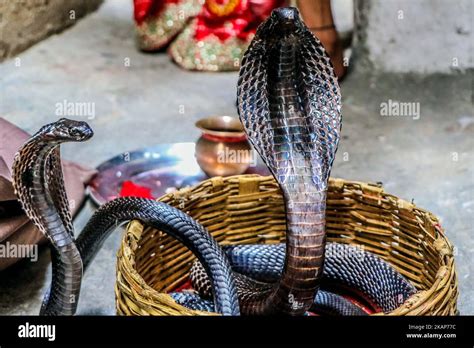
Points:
(249, 209)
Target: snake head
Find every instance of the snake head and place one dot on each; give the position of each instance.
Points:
(289, 100)
(65, 130)
(283, 24)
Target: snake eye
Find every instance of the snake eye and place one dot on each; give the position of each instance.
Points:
(74, 132)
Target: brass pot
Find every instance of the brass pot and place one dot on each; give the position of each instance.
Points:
(223, 149)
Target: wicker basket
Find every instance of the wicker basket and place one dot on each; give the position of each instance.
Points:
(249, 209)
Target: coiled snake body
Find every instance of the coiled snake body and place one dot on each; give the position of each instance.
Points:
(289, 103)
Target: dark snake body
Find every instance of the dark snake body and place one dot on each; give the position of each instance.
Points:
(39, 186)
(327, 303)
(347, 267)
(41, 191)
(289, 103)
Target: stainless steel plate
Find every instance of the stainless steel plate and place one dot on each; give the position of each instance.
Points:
(161, 168)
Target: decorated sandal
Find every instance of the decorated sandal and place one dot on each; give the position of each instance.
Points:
(217, 38)
(159, 21)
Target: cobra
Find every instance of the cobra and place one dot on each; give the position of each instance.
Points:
(39, 186)
(292, 116)
(290, 105)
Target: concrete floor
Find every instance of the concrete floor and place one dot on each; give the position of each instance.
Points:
(428, 160)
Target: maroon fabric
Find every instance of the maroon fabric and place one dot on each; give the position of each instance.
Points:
(19, 230)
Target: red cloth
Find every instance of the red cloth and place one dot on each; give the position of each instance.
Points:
(144, 8)
(130, 189)
(241, 22)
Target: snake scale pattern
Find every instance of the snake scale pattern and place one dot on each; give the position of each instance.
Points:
(379, 284)
(289, 103)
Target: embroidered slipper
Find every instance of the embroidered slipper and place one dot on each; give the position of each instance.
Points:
(217, 38)
(157, 22)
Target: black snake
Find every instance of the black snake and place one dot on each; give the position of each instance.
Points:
(289, 103)
(39, 185)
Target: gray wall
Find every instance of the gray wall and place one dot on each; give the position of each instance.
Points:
(25, 22)
(421, 36)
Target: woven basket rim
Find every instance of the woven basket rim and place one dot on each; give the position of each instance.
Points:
(445, 275)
